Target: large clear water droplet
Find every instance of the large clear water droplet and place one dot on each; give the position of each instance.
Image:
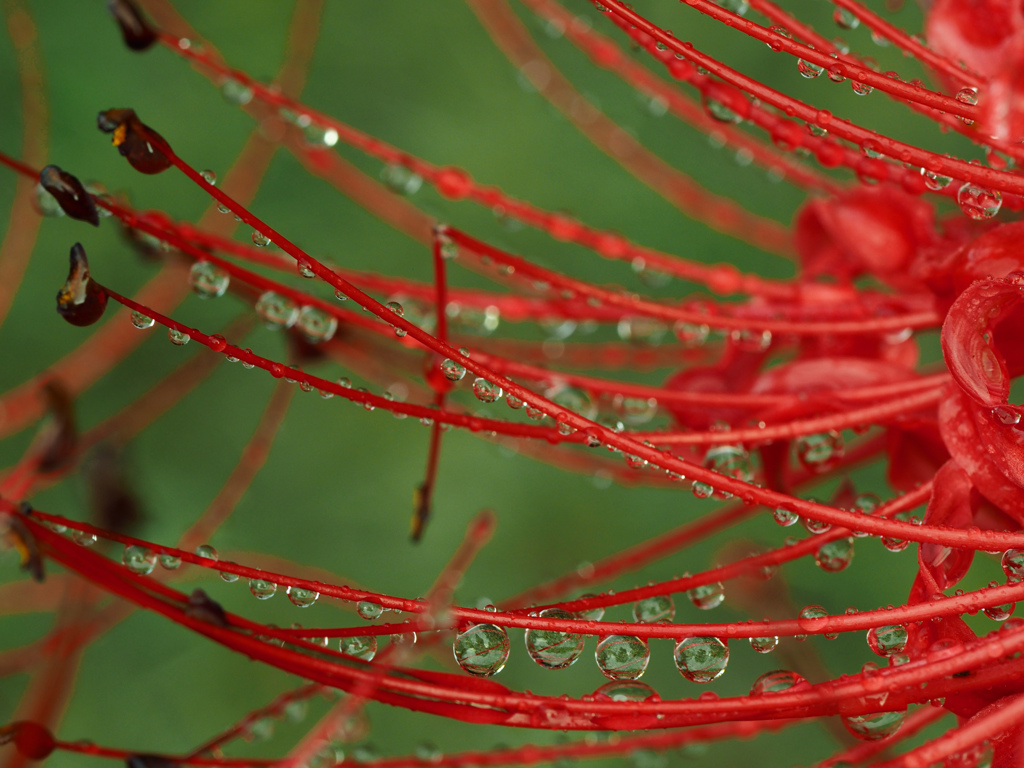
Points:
(776, 681)
(262, 589)
(651, 610)
(701, 659)
(316, 325)
(835, 556)
(885, 641)
(874, 726)
(141, 321)
(552, 649)
(481, 649)
(362, 647)
(707, 596)
(208, 280)
(486, 391)
(302, 598)
(277, 310)
(622, 657)
(1013, 565)
(452, 370)
(764, 644)
(978, 202)
(369, 610)
(819, 452)
(625, 690)
(139, 559)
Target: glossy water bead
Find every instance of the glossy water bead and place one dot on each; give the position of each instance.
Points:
(776, 681)
(651, 610)
(625, 690)
(885, 641)
(262, 589)
(302, 598)
(369, 610)
(707, 596)
(139, 559)
(622, 657)
(701, 659)
(874, 726)
(481, 649)
(764, 644)
(362, 647)
(553, 649)
(208, 280)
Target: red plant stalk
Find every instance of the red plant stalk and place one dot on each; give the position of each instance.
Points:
(893, 349)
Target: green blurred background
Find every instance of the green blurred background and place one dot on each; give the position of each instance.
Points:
(336, 492)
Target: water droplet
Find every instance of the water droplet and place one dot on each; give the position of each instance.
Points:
(701, 659)
(302, 598)
(812, 618)
(707, 596)
(652, 610)
(815, 526)
(208, 280)
(999, 612)
(809, 69)
(205, 550)
(552, 649)
(170, 562)
(363, 647)
(885, 641)
(821, 451)
(235, 92)
(979, 203)
(1005, 416)
(485, 391)
(84, 538)
(875, 726)
(625, 690)
(622, 657)
(481, 649)
(702, 490)
(178, 338)
(277, 310)
(729, 460)
(785, 517)
(259, 239)
(139, 559)
(316, 325)
(934, 180)
(593, 614)
(400, 179)
(643, 331)
(776, 681)
(229, 577)
(262, 589)
(1013, 565)
(764, 644)
(968, 96)
(452, 370)
(141, 321)
(427, 752)
(404, 639)
(399, 310)
(834, 556)
(369, 610)
(844, 19)
(320, 135)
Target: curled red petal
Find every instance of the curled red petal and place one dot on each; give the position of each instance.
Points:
(969, 337)
(876, 230)
(950, 506)
(958, 423)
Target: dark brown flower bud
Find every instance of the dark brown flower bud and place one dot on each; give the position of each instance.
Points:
(24, 543)
(82, 300)
(138, 35)
(135, 140)
(69, 193)
(150, 761)
(202, 607)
